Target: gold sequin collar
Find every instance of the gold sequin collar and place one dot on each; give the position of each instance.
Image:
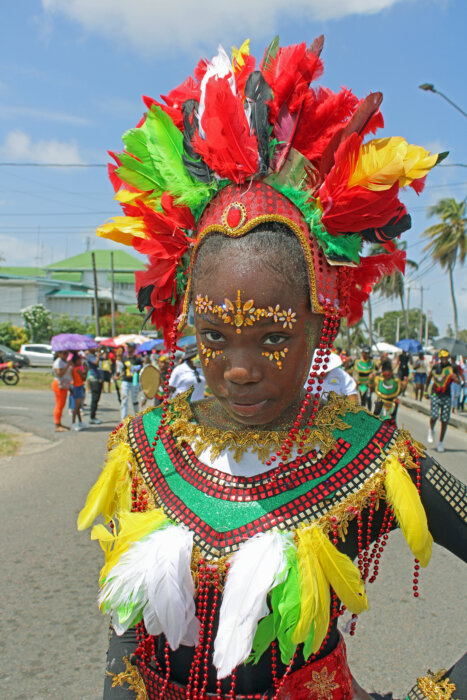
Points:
(183, 426)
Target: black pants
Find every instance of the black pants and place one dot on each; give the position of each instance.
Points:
(96, 389)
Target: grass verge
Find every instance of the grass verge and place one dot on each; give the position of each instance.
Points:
(8, 444)
(31, 380)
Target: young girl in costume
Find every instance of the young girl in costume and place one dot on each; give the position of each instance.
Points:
(234, 521)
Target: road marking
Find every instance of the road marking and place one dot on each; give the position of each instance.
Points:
(16, 408)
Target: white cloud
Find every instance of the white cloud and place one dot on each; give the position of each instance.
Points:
(18, 146)
(16, 252)
(7, 111)
(184, 25)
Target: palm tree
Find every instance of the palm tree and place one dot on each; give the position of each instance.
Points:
(448, 241)
(391, 286)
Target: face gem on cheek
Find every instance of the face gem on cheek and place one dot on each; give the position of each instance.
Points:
(209, 353)
(276, 355)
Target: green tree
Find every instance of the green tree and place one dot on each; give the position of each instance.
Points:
(62, 323)
(448, 241)
(37, 322)
(392, 286)
(13, 336)
(387, 324)
(124, 323)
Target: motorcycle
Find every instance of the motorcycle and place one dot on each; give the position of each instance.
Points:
(9, 373)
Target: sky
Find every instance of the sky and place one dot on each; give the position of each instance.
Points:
(72, 73)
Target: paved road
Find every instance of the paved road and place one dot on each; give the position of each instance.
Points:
(54, 640)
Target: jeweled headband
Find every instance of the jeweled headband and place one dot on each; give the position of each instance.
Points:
(236, 146)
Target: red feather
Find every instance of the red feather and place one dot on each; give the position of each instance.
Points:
(366, 275)
(188, 90)
(289, 74)
(241, 74)
(323, 113)
(352, 210)
(418, 185)
(175, 113)
(229, 148)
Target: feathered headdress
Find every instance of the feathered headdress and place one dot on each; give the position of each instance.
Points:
(259, 144)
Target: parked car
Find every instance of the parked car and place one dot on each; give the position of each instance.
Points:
(39, 355)
(9, 355)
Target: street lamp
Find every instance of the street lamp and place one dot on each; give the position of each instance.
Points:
(429, 87)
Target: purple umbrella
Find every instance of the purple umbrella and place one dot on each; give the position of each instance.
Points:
(72, 341)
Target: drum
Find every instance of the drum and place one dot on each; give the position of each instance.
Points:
(150, 379)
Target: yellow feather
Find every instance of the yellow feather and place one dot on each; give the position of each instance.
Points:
(408, 509)
(342, 574)
(123, 229)
(315, 596)
(112, 490)
(132, 527)
(380, 163)
(237, 55)
(417, 164)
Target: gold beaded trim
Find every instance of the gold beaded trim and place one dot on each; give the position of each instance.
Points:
(264, 218)
(181, 423)
(433, 688)
(243, 215)
(132, 677)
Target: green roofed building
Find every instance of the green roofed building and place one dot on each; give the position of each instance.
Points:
(67, 286)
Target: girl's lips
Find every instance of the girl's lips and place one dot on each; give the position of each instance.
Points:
(247, 409)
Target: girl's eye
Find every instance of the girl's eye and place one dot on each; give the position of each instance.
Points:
(275, 339)
(213, 336)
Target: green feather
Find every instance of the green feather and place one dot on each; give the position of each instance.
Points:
(347, 245)
(270, 53)
(288, 606)
(307, 647)
(264, 637)
(157, 147)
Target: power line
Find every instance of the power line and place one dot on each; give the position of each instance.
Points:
(53, 165)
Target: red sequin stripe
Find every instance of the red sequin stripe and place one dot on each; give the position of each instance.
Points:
(237, 488)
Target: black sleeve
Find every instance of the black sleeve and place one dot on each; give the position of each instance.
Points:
(445, 500)
(119, 647)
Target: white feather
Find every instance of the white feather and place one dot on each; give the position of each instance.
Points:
(256, 568)
(126, 581)
(154, 575)
(219, 67)
(170, 588)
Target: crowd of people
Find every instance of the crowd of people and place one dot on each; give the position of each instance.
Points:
(374, 382)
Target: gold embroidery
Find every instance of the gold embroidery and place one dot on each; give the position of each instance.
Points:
(276, 355)
(433, 688)
(132, 676)
(180, 422)
(240, 314)
(209, 353)
(322, 685)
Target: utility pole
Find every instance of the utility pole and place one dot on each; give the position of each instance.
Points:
(112, 293)
(96, 297)
(407, 312)
(398, 328)
(420, 332)
(428, 316)
(370, 323)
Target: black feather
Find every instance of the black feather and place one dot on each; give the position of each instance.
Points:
(146, 318)
(257, 93)
(391, 230)
(144, 296)
(194, 164)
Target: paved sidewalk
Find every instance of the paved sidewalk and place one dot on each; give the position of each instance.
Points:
(458, 420)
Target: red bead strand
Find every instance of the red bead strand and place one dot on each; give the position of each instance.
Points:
(210, 630)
